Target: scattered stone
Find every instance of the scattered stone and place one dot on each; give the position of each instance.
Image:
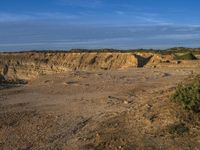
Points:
(126, 102)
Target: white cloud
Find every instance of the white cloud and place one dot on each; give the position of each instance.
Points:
(152, 20)
(81, 3)
(120, 12)
(8, 17)
(186, 36)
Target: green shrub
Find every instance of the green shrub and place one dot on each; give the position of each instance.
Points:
(186, 56)
(178, 128)
(188, 95)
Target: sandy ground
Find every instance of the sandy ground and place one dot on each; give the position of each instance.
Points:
(124, 109)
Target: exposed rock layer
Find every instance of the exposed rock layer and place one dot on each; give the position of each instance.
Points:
(28, 65)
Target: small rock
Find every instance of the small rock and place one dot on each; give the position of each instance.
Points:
(148, 106)
(125, 102)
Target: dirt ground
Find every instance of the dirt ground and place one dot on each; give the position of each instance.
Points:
(103, 110)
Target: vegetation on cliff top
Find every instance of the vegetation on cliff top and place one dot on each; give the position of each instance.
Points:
(166, 51)
(185, 56)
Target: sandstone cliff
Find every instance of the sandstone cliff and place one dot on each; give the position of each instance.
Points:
(28, 65)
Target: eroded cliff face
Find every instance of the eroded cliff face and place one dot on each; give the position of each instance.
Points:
(29, 65)
(162, 61)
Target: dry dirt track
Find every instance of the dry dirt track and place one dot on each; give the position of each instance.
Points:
(124, 109)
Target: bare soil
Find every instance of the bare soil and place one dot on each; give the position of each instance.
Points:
(103, 110)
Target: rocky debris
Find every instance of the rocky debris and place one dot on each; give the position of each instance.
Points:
(116, 100)
(117, 110)
(80, 125)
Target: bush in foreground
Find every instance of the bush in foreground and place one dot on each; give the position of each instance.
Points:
(188, 95)
(178, 128)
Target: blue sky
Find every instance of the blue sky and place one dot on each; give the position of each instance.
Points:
(130, 24)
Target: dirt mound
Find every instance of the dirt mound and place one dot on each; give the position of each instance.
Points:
(158, 59)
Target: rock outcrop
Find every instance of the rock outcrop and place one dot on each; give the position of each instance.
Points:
(29, 65)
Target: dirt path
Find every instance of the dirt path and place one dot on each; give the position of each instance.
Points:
(125, 109)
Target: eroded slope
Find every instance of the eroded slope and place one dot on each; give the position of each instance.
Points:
(29, 65)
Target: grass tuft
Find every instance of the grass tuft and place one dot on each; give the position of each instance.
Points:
(178, 128)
